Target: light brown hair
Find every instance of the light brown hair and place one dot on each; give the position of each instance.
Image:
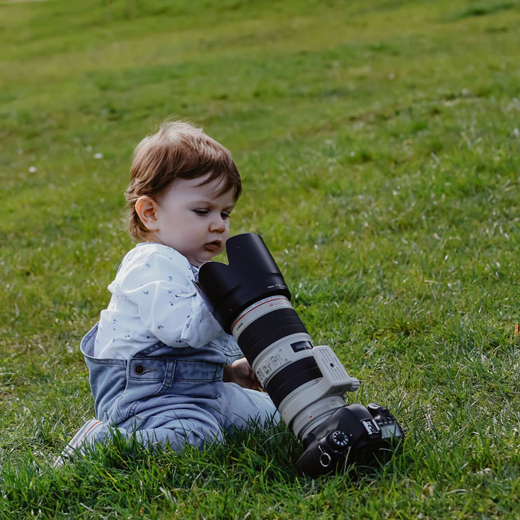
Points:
(177, 150)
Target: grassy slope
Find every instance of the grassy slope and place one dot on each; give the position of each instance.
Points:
(379, 143)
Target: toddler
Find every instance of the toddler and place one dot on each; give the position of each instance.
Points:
(160, 365)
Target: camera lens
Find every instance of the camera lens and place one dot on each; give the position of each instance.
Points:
(250, 300)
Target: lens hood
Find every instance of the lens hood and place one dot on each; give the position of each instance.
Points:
(252, 274)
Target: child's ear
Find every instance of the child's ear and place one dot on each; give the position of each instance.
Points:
(147, 208)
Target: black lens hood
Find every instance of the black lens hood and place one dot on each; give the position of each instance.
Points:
(250, 276)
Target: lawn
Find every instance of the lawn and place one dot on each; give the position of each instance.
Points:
(379, 144)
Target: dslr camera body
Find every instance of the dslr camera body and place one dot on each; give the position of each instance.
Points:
(307, 383)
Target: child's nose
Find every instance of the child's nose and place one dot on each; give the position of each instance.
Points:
(218, 224)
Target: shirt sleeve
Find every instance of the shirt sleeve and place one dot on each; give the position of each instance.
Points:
(168, 303)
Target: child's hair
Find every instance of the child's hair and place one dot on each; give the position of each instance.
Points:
(176, 151)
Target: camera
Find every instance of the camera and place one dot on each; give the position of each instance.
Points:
(307, 383)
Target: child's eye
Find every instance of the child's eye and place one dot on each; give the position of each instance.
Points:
(201, 212)
(225, 215)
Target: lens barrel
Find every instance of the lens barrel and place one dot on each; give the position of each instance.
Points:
(250, 299)
(268, 328)
(276, 343)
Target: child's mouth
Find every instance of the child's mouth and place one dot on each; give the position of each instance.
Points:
(213, 246)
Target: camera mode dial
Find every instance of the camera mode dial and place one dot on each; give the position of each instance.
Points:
(339, 439)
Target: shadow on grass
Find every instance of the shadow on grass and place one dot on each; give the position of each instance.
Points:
(479, 9)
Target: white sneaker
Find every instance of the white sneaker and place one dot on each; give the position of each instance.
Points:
(87, 432)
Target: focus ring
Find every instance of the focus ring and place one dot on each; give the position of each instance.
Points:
(292, 377)
(267, 329)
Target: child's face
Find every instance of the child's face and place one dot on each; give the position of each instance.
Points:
(194, 219)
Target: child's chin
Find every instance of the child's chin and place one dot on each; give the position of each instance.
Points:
(202, 259)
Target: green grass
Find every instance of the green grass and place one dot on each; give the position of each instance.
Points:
(379, 144)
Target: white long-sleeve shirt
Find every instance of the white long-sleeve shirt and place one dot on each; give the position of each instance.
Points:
(154, 299)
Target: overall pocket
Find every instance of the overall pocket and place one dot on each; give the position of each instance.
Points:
(145, 378)
(196, 379)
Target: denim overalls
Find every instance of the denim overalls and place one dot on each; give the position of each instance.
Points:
(172, 395)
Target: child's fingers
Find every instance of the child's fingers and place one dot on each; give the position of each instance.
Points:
(255, 383)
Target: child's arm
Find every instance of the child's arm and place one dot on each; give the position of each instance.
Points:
(169, 306)
(241, 373)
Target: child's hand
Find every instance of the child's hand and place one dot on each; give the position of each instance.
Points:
(241, 373)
